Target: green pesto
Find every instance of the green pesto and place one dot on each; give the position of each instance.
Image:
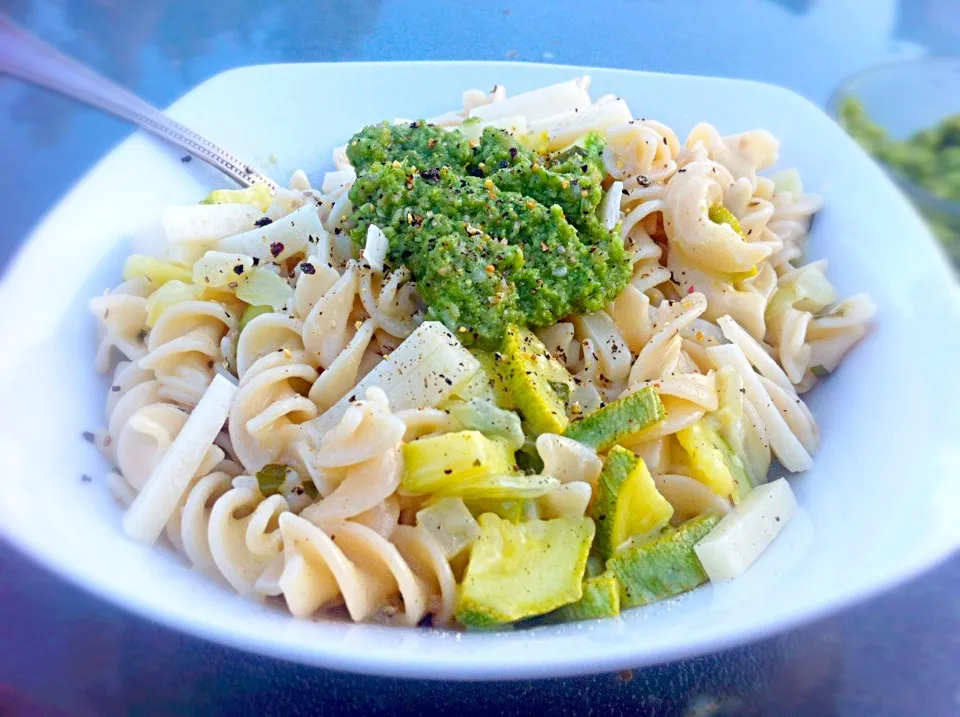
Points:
(493, 233)
(930, 158)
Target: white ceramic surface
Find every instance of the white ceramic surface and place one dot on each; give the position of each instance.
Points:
(880, 506)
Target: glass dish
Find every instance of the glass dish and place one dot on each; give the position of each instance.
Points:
(903, 98)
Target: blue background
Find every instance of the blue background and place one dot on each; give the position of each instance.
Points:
(64, 652)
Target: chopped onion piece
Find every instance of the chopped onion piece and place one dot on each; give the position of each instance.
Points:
(450, 523)
(423, 371)
(219, 268)
(207, 222)
(278, 241)
(564, 129)
(610, 206)
(375, 252)
(537, 104)
(264, 288)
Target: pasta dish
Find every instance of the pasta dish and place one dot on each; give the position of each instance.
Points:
(532, 360)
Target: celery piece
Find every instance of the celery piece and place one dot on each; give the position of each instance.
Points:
(606, 426)
(662, 567)
(750, 456)
(264, 288)
(271, 477)
(252, 312)
(518, 571)
(719, 214)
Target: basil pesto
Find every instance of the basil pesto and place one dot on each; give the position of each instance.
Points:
(494, 233)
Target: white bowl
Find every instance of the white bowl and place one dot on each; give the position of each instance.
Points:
(880, 506)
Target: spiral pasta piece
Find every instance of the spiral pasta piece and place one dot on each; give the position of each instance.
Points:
(742, 154)
(361, 567)
(690, 498)
(122, 322)
(184, 346)
(241, 536)
(707, 245)
(326, 329)
(270, 406)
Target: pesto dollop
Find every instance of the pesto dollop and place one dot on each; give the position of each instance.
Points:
(493, 233)
(929, 158)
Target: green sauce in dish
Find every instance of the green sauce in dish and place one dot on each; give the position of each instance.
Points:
(494, 233)
(929, 158)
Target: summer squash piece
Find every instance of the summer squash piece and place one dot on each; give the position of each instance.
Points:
(171, 293)
(606, 426)
(451, 461)
(627, 502)
(518, 571)
(601, 598)
(662, 567)
(712, 460)
(538, 384)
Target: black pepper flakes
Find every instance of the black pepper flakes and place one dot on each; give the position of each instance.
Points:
(308, 268)
(238, 269)
(262, 222)
(276, 248)
(186, 159)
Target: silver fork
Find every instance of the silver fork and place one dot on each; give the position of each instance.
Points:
(25, 56)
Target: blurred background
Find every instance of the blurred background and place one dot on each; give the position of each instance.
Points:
(65, 653)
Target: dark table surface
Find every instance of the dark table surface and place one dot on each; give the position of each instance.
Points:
(65, 652)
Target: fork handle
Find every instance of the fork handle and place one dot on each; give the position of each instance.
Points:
(27, 57)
